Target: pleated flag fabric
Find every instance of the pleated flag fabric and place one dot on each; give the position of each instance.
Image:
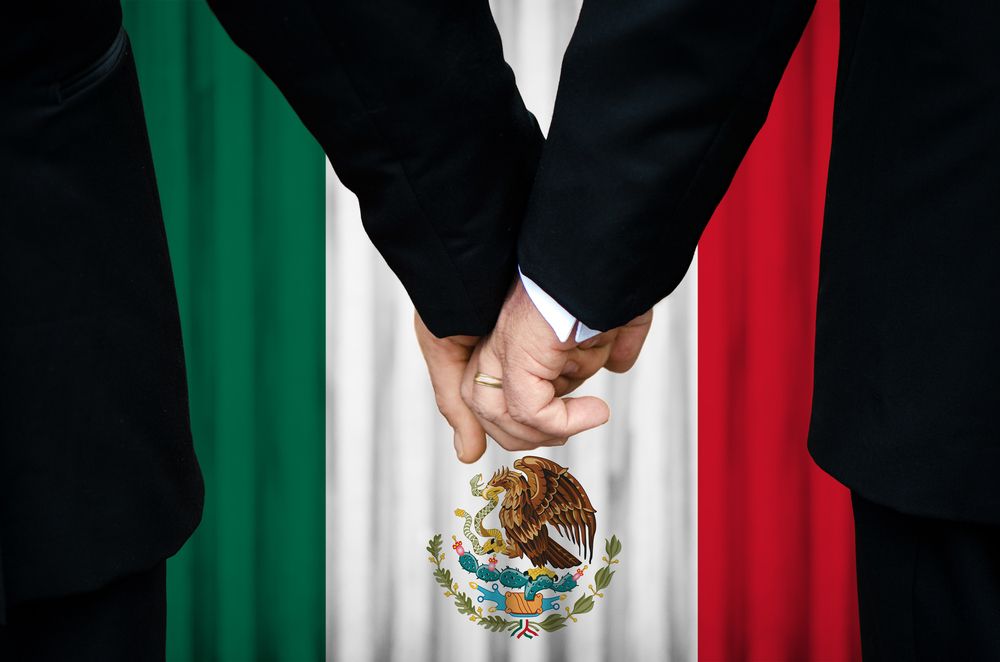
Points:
(735, 546)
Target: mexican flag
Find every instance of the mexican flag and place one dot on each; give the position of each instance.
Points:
(328, 469)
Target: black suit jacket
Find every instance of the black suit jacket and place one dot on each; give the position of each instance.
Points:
(658, 102)
(420, 116)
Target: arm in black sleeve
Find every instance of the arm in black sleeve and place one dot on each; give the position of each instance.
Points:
(419, 114)
(657, 104)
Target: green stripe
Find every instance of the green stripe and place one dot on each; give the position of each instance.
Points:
(242, 188)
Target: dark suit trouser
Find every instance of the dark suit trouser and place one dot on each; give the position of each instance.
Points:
(928, 589)
(125, 621)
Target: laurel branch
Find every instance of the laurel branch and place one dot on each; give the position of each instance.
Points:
(465, 605)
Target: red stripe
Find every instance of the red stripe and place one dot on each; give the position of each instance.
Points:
(775, 544)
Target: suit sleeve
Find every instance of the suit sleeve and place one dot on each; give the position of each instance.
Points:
(658, 102)
(419, 114)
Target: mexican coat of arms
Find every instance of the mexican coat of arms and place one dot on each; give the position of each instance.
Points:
(538, 496)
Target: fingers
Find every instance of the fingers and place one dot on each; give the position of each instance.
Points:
(527, 410)
(511, 443)
(532, 402)
(446, 361)
(536, 369)
(530, 409)
(582, 363)
(565, 385)
(469, 438)
(489, 406)
(628, 343)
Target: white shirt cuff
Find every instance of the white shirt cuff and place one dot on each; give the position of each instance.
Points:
(560, 319)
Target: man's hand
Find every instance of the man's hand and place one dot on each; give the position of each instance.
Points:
(446, 360)
(536, 369)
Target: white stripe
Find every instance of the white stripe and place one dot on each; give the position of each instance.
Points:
(393, 480)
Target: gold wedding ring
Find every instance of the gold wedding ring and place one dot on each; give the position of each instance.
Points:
(488, 380)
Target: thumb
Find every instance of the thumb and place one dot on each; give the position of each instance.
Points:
(446, 361)
(469, 438)
(532, 401)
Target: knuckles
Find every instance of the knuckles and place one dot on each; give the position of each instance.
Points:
(520, 413)
(481, 409)
(509, 445)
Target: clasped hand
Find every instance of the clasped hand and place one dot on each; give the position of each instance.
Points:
(536, 370)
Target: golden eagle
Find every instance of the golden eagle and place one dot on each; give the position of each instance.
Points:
(546, 493)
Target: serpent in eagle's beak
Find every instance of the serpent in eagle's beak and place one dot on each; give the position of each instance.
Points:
(492, 492)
